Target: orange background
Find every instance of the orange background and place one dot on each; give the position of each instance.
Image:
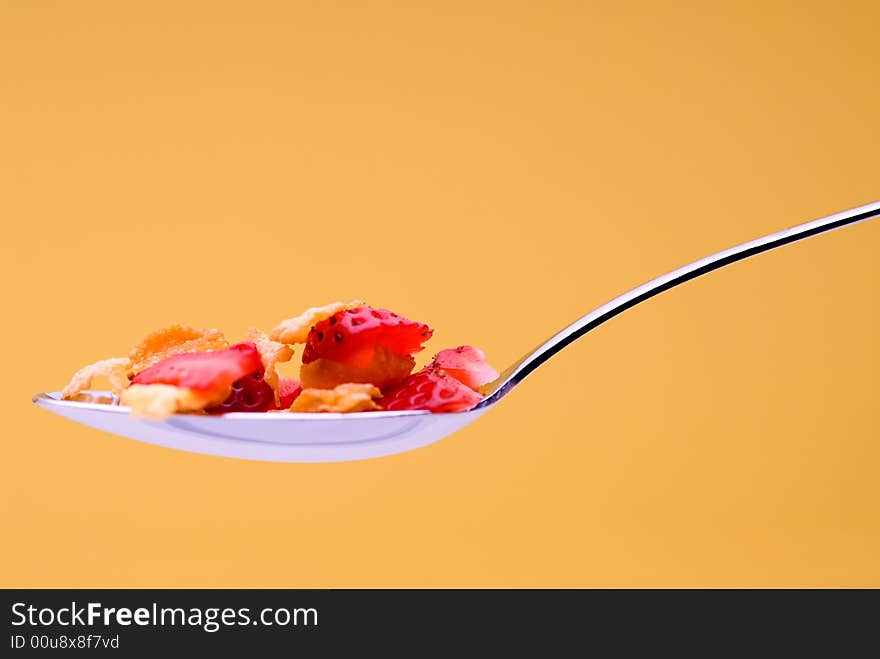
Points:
(495, 169)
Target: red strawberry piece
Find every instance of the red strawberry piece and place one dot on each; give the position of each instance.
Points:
(352, 336)
(249, 394)
(466, 364)
(433, 390)
(204, 371)
(288, 390)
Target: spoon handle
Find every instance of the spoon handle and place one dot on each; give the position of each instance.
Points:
(516, 373)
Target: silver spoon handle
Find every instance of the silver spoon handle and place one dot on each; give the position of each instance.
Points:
(515, 374)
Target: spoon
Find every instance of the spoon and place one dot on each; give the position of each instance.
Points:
(310, 437)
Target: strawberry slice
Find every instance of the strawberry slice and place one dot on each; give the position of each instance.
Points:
(204, 371)
(432, 390)
(466, 364)
(249, 394)
(352, 336)
(288, 390)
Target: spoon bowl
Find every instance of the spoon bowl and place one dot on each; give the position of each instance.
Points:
(292, 437)
(287, 437)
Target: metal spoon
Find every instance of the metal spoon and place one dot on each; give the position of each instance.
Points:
(341, 437)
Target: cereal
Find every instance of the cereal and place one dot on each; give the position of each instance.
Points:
(272, 353)
(344, 398)
(159, 401)
(386, 369)
(95, 397)
(173, 340)
(115, 369)
(355, 358)
(295, 330)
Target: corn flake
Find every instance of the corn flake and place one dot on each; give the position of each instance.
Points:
(159, 401)
(344, 398)
(115, 369)
(296, 330)
(174, 340)
(272, 353)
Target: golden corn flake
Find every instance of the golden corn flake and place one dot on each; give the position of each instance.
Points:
(295, 330)
(115, 370)
(159, 401)
(174, 340)
(95, 397)
(386, 369)
(272, 353)
(344, 398)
